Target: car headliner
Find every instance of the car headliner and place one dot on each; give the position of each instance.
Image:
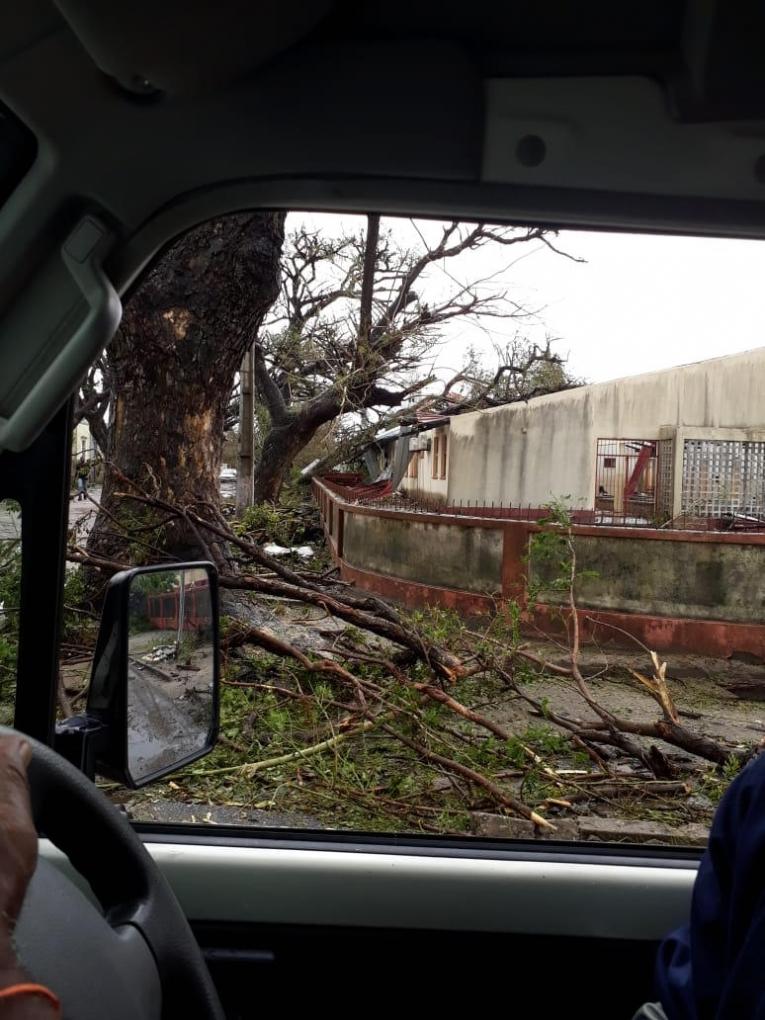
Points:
(641, 115)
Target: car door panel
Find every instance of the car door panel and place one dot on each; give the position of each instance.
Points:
(278, 921)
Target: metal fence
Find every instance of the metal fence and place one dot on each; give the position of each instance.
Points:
(407, 503)
(412, 503)
(723, 489)
(625, 478)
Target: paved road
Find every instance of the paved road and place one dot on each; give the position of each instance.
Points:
(168, 720)
(82, 513)
(10, 525)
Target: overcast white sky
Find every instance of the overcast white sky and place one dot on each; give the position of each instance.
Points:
(639, 303)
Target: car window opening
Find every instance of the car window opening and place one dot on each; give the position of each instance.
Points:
(475, 580)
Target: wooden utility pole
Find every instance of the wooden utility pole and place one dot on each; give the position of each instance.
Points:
(244, 478)
(368, 279)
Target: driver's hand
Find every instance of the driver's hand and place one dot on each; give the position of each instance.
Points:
(18, 858)
(18, 838)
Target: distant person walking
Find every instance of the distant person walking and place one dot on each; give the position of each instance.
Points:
(82, 472)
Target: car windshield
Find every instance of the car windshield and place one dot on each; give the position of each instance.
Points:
(488, 508)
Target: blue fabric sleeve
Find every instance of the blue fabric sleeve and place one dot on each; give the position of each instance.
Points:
(715, 966)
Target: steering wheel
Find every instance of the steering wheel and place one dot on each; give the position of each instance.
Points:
(136, 957)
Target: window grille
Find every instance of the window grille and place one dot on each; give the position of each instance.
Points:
(723, 476)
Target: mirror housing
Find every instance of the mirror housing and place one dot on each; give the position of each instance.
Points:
(153, 701)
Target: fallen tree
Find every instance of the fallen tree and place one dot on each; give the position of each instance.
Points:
(358, 318)
(393, 678)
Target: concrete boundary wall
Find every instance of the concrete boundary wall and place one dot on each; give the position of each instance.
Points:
(680, 591)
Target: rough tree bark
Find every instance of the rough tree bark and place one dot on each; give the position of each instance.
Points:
(174, 360)
(290, 432)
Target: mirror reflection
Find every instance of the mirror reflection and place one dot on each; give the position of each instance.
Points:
(171, 669)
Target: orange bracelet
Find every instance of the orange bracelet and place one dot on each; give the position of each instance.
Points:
(30, 988)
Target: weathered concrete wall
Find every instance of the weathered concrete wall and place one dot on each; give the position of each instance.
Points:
(530, 453)
(674, 592)
(691, 580)
(436, 554)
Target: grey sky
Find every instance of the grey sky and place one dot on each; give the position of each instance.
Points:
(639, 303)
(643, 302)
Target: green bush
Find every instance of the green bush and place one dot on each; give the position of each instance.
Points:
(10, 597)
(292, 521)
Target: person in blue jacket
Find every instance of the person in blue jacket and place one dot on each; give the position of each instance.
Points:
(715, 965)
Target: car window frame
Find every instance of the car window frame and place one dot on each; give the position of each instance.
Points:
(126, 266)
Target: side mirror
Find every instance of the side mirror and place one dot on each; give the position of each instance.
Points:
(153, 699)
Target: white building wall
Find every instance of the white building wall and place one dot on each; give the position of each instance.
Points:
(530, 453)
(425, 484)
(82, 439)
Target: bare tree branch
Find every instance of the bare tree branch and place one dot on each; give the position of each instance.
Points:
(353, 327)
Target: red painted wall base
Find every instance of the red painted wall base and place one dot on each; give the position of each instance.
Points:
(716, 638)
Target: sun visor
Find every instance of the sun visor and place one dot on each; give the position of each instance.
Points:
(60, 322)
(187, 46)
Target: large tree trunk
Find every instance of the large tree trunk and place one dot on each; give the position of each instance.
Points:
(283, 442)
(174, 361)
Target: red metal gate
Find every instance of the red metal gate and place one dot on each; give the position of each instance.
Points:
(163, 608)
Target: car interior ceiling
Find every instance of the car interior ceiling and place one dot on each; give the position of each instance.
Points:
(152, 120)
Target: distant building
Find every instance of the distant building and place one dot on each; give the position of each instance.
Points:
(689, 440)
(84, 445)
(665, 474)
(82, 440)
